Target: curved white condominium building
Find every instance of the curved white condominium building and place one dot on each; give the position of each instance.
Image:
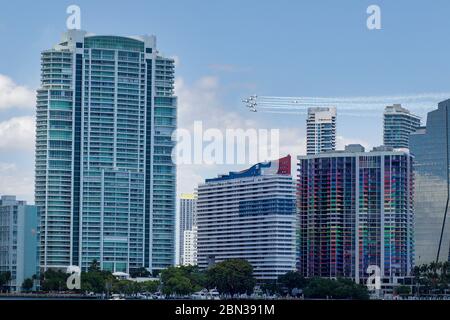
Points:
(249, 215)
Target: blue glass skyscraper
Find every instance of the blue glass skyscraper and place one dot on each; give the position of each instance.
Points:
(104, 176)
(430, 146)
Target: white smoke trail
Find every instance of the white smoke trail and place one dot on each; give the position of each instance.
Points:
(350, 105)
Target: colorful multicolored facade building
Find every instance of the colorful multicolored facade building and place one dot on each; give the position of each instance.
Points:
(355, 211)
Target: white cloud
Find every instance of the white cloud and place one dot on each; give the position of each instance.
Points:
(293, 142)
(197, 101)
(176, 60)
(16, 181)
(341, 142)
(201, 101)
(17, 134)
(13, 95)
(17, 142)
(4, 167)
(187, 178)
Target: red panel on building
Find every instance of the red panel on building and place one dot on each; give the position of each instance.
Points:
(284, 165)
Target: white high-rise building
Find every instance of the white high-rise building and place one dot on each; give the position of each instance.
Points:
(187, 221)
(320, 130)
(190, 247)
(249, 215)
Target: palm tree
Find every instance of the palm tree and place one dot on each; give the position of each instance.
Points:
(445, 268)
(95, 266)
(439, 266)
(433, 266)
(445, 275)
(420, 277)
(423, 268)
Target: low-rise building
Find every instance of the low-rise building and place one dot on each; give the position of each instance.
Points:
(18, 240)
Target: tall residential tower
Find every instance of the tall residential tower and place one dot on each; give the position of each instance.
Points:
(320, 130)
(104, 176)
(398, 124)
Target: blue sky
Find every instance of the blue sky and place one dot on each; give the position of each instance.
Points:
(230, 49)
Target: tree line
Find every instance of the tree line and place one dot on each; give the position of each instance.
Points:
(432, 278)
(231, 277)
